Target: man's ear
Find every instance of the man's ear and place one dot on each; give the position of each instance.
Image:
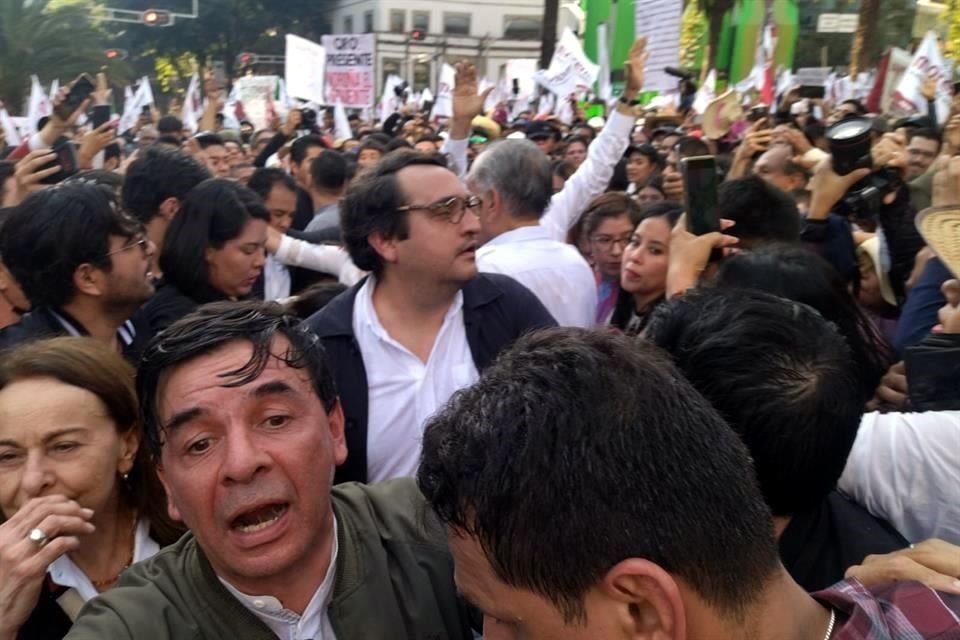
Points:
(168, 208)
(172, 509)
(651, 599)
(385, 247)
(88, 280)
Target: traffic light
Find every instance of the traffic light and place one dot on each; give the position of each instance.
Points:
(156, 18)
(417, 35)
(115, 54)
(246, 59)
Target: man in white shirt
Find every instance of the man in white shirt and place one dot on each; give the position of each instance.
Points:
(425, 323)
(513, 179)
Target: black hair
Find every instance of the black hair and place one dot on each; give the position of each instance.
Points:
(211, 327)
(314, 298)
(857, 105)
(796, 273)
(214, 212)
(298, 150)
(7, 169)
(624, 308)
(264, 179)
(577, 450)
(611, 204)
(562, 169)
(207, 139)
(762, 212)
(169, 139)
(328, 171)
(170, 125)
(929, 133)
(619, 181)
(56, 230)
(655, 182)
(371, 203)
(780, 375)
(689, 147)
(157, 174)
(369, 143)
(648, 152)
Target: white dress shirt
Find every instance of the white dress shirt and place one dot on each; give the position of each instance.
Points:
(314, 624)
(554, 271)
(590, 179)
(403, 391)
(905, 468)
(276, 279)
(65, 573)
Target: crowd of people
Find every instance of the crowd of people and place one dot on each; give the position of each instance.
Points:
(479, 378)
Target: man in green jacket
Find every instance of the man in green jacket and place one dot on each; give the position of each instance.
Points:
(241, 414)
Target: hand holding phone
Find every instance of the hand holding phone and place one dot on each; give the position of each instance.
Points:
(80, 90)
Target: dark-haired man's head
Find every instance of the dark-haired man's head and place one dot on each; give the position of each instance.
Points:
(370, 153)
(923, 146)
(780, 375)
(170, 126)
(410, 219)
(279, 193)
(214, 154)
(589, 491)
(329, 174)
(303, 150)
(763, 213)
(72, 248)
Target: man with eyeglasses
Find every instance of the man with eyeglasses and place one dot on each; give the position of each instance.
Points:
(424, 323)
(83, 264)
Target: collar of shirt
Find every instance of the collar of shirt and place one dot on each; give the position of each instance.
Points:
(520, 234)
(287, 624)
(65, 573)
(366, 315)
(126, 332)
(276, 279)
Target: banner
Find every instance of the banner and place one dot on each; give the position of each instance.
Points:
(349, 78)
(38, 105)
(659, 21)
(570, 70)
(519, 74)
(927, 62)
(304, 68)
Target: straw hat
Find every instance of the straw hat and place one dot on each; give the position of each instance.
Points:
(940, 227)
(720, 115)
(871, 247)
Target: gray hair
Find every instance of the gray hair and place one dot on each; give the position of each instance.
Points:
(520, 172)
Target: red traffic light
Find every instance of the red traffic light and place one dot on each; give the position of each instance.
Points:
(246, 59)
(417, 35)
(156, 18)
(115, 54)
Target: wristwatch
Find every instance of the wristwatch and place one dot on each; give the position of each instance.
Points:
(629, 103)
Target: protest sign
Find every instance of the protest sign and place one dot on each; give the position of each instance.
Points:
(256, 93)
(349, 76)
(570, 70)
(443, 105)
(659, 21)
(519, 73)
(927, 62)
(811, 76)
(304, 68)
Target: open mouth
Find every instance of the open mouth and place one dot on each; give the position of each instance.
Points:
(259, 519)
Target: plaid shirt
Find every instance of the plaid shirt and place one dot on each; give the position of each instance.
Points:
(902, 611)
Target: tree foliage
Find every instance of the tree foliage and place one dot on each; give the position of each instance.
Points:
(49, 38)
(693, 37)
(952, 16)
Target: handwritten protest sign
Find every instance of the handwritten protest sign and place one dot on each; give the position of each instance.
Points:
(349, 77)
(304, 69)
(570, 70)
(659, 21)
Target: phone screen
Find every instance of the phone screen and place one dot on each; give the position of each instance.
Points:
(700, 184)
(100, 115)
(80, 90)
(812, 91)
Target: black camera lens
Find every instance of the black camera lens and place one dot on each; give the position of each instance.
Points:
(849, 142)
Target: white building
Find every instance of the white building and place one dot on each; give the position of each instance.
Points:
(484, 32)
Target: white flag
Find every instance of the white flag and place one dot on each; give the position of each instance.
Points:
(706, 93)
(10, 130)
(570, 71)
(927, 62)
(192, 105)
(388, 100)
(604, 90)
(54, 87)
(425, 97)
(341, 124)
(443, 106)
(38, 105)
(134, 103)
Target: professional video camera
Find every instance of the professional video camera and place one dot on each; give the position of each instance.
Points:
(850, 143)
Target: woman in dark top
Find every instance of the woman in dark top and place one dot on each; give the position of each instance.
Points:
(79, 444)
(213, 250)
(643, 272)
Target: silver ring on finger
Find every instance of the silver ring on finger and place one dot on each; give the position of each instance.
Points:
(37, 536)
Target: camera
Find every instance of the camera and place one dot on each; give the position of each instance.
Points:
(309, 121)
(850, 142)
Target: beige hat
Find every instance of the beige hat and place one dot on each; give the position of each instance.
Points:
(720, 115)
(871, 247)
(491, 128)
(940, 227)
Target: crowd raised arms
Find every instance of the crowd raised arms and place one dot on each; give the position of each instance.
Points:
(685, 371)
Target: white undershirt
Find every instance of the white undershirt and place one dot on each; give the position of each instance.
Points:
(403, 391)
(276, 279)
(288, 625)
(65, 573)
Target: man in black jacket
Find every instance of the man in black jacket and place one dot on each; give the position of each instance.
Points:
(425, 323)
(84, 266)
